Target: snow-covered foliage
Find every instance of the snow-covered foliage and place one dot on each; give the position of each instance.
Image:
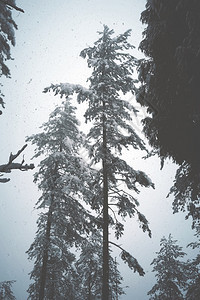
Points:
(111, 130)
(7, 38)
(6, 290)
(89, 269)
(170, 272)
(112, 75)
(63, 179)
(132, 262)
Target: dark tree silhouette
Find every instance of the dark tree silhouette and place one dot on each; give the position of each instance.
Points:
(170, 78)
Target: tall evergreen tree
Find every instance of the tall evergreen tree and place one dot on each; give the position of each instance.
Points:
(6, 290)
(64, 222)
(170, 91)
(111, 132)
(170, 272)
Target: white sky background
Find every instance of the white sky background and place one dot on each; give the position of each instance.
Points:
(50, 36)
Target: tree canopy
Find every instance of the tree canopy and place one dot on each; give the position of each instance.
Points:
(170, 78)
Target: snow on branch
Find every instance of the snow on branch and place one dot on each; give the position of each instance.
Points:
(6, 168)
(130, 260)
(68, 89)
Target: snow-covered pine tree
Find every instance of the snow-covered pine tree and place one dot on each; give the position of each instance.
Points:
(89, 269)
(170, 272)
(63, 222)
(6, 290)
(111, 132)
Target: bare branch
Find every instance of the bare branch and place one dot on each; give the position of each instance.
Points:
(12, 157)
(4, 180)
(113, 212)
(6, 168)
(7, 2)
(15, 166)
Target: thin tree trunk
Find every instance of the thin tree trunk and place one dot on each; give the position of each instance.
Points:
(53, 287)
(105, 286)
(45, 257)
(116, 285)
(43, 275)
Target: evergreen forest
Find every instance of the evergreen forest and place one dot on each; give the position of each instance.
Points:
(100, 143)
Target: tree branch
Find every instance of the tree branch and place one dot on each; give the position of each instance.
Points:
(116, 245)
(7, 2)
(13, 156)
(6, 168)
(4, 180)
(130, 260)
(113, 212)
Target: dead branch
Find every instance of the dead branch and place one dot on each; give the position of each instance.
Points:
(7, 2)
(6, 168)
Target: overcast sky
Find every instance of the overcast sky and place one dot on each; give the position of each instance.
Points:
(50, 36)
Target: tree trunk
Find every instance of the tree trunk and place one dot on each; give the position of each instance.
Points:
(116, 284)
(89, 287)
(45, 257)
(105, 285)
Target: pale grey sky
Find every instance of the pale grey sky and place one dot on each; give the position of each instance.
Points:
(50, 37)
